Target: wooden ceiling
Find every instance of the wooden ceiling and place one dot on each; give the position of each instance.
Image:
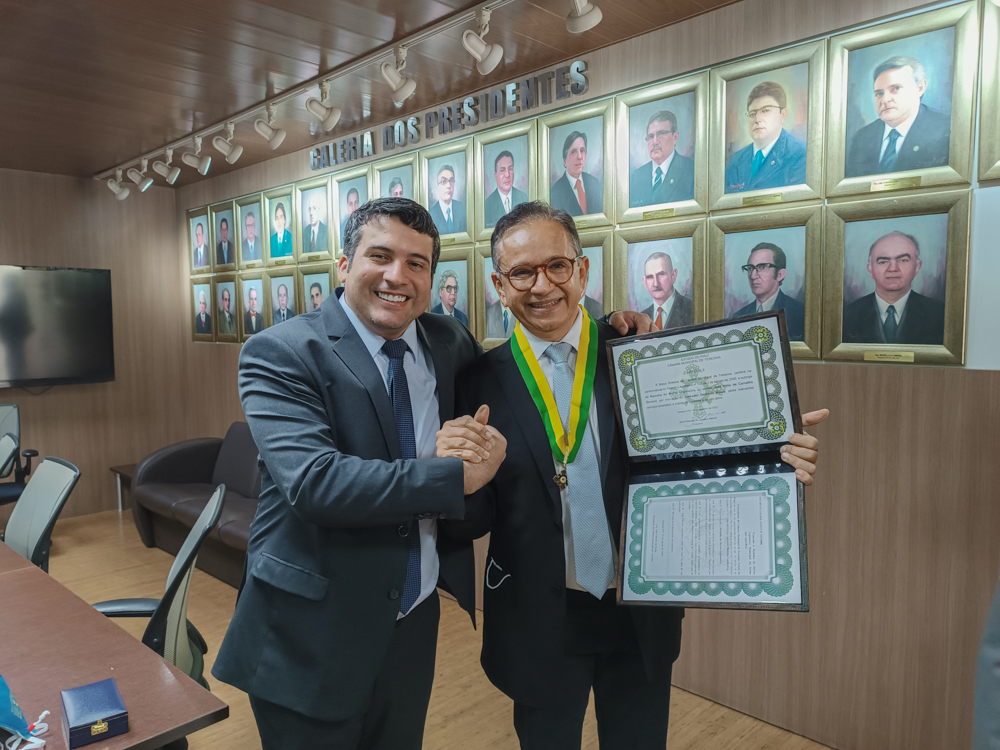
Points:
(88, 84)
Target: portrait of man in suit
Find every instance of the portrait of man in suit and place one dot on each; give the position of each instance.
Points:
(203, 318)
(316, 295)
(251, 242)
(448, 289)
(668, 176)
(775, 158)
(576, 192)
(907, 134)
(200, 257)
(396, 188)
(894, 313)
(282, 308)
(670, 308)
(227, 323)
(499, 320)
(501, 191)
(253, 320)
(224, 253)
(447, 212)
(353, 201)
(766, 269)
(315, 238)
(281, 238)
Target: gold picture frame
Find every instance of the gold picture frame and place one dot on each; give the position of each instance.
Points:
(228, 211)
(393, 163)
(989, 105)
(310, 252)
(696, 85)
(233, 335)
(604, 238)
(462, 254)
(286, 250)
(812, 55)
(251, 204)
(467, 214)
(957, 205)
(264, 294)
(303, 276)
(274, 284)
(525, 129)
(810, 218)
(194, 216)
(202, 285)
(353, 174)
(964, 17)
(695, 229)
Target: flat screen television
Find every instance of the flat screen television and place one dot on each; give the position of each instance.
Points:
(55, 326)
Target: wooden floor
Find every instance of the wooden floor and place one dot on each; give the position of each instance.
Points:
(100, 557)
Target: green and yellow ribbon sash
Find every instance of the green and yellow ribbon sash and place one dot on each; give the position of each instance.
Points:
(563, 448)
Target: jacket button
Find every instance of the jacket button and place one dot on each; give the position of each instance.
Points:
(403, 530)
(558, 527)
(557, 589)
(393, 594)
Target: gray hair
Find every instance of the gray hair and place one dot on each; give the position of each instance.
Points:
(910, 237)
(901, 61)
(445, 275)
(528, 212)
(657, 256)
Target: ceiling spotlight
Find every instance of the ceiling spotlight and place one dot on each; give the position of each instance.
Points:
(168, 173)
(327, 116)
(121, 191)
(487, 55)
(140, 178)
(402, 88)
(225, 145)
(583, 16)
(274, 136)
(196, 160)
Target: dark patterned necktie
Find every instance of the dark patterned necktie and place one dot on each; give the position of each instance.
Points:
(657, 180)
(890, 326)
(399, 393)
(888, 162)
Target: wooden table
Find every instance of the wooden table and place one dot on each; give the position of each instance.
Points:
(51, 640)
(124, 475)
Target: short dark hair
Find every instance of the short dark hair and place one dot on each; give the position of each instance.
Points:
(225, 293)
(280, 207)
(771, 89)
(502, 154)
(395, 181)
(355, 191)
(569, 141)
(224, 221)
(525, 212)
(282, 286)
(663, 115)
(777, 256)
(315, 285)
(446, 168)
(410, 213)
(901, 61)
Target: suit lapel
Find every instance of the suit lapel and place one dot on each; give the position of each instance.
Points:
(605, 403)
(443, 372)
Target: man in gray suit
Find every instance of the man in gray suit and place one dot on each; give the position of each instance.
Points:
(506, 196)
(227, 324)
(670, 308)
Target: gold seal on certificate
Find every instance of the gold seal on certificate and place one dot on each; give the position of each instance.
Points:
(712, 516)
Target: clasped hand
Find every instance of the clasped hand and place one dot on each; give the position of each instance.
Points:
(480, 446)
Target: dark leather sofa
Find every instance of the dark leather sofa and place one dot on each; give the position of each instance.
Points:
(172, 486)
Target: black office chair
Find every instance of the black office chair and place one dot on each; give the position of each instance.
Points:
(10, 423)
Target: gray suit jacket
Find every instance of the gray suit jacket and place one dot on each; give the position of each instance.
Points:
(326, 562)
(493, 208)
(494, 322)
(681, 314)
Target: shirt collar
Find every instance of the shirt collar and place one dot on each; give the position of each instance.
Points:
(663, 167)
(667, 306)
(767, 149)
(902, 128)
(898, 305)
(572, 337)
(372, 341)
(768, 304)
(446, 206)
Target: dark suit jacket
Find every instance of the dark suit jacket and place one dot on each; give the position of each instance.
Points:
(326, 561)
(276, 315)
(198, 327)
(247, 330)
(795, 314)
(205, 259)
(593, 307)
(922, 321)
(926, 145)
(256, 253)
(785, 165)
(457, 217)
(563, 196)
(226, 255)
(677, 185)
(322, 239)
(524, 607)
(224, 327)
(460, 316)
(343, 231)
(681, 314)
(281, 248)
(494, 206)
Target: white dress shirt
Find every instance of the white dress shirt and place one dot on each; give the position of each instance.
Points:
(767, 148)
(663, 168)
(422, 385)
(666, 307)
(538, 347)
(902, 129)
(899, 305)
(767, 304)
(577, 184)
(505, 200)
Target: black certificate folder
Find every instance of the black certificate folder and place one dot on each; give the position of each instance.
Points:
(712, 516)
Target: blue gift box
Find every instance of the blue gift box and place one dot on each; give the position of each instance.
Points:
(93, 712)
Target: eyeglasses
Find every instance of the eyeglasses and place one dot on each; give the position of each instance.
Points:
(763, 110)
(446, 181)
(557, 270)
(759, 268)
(658, 134)
(451, 289)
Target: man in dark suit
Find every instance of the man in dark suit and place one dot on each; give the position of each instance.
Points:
(314, 235)
(200, 259)
(775, 159)
(281, 240)
(335, 629)
(448, 295)
(203, 320)
(506, 196)
(766, 268)
(353, 201)
(577, 192)
(251, 242)
(227, 325)
(253, 321)
(224, 247)
(670, 308)
(448, 214)
(667, 177)
(894, 313)
(282, 312)
(907, 134)
(552, 631)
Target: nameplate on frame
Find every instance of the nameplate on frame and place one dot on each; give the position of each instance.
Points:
(762, 200)
(888, 356)
(899, 183)
(279, 262)
(663, 213)
(447, 241)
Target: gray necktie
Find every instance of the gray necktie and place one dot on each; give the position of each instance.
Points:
(591, 538)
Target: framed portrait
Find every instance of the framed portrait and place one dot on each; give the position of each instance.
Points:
(770, 260)
(446, 174)
(767, 128)
(253, 292)
(663, 150)
(896, 277)
(222, 217)
(660, 271)
(316, 281)
(576, 162)
(902, 96)
(453, 290)
(283, 304)
(201, 312)
(598, 248)
(351, 188)
(280, 241)
(495, 322)
(250, 218)
(199, 236)
(227, 319)
(312, 202)
(396, 177)
(505, 173)
(989, 127)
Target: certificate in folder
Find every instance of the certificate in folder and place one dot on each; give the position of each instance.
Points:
(712, 516)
